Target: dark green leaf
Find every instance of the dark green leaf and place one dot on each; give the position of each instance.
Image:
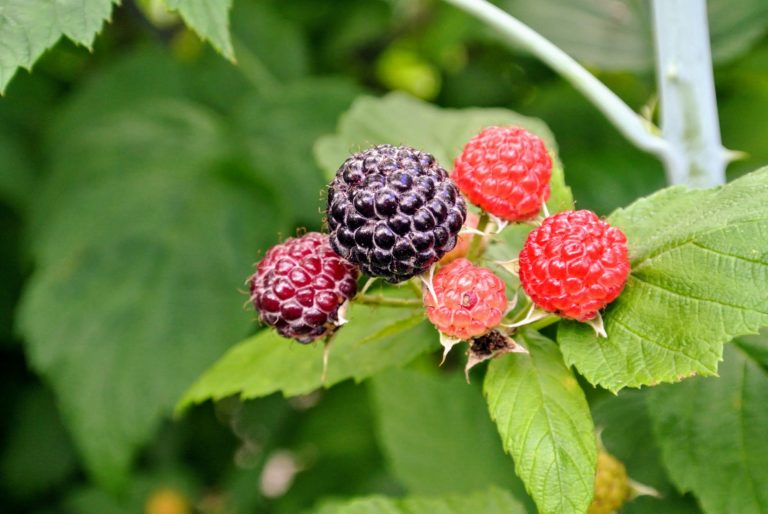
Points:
(628, 435)
(16, 178)
(376, 338)
(697, 281)
(141, 243)
(446, 419)
(545, 424)
(712, 435)
(38, 454)
(280, 132)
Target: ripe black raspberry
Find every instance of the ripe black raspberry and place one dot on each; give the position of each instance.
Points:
(299, 286)
(393, 211)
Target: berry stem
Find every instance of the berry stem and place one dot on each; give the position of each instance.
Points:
(368, 299)
(476, 249)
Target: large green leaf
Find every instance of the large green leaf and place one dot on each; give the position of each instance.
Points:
(29, 27)
(210, 19)
(400, 119)
(545, 424)
(619, 37)
(375, 338)
(492, 501)
(445, 418)
(142, 239)
(712, 435)
(699, 268)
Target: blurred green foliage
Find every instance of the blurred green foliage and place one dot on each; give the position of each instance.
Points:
(139, 182)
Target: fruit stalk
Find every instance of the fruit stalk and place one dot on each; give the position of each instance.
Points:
(477, 241)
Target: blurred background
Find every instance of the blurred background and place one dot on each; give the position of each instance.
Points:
(140, 181)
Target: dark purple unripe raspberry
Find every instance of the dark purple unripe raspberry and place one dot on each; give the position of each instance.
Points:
(299, 286)
(393, 211)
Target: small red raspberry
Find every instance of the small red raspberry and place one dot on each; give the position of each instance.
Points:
(574, 264)
(470, 300)
(299, 286)
(505, 171)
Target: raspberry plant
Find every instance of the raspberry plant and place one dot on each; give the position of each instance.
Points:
(615, 360)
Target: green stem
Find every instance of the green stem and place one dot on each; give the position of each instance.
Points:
(544, 322)
(476, 249)
(368, 299)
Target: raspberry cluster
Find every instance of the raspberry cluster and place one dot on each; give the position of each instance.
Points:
(468, 301)
(393, 211)
(505, 171)
(300, 285)
(574, 264)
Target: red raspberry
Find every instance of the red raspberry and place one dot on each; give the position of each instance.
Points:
(299, 286)
(470, 300)
(505, 171)
(574, 264)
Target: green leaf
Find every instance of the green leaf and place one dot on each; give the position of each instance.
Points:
(400, 119)
(492, 501)
(17, 177)
(445, 418)
(699, 268)
(545, 424)
(142, 241)
(29, 27)
(620, 37)
(756, 347)
(37, 454)
(376, 338)
(280, 132)
(712, 435)
(209, 19)
(627, 434)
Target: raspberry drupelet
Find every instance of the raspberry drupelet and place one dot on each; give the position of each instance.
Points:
(574, 264)
(300, 285)
(469, 301)
(505, 171)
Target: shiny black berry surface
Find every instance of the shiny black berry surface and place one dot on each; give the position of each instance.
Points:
(393, 211)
